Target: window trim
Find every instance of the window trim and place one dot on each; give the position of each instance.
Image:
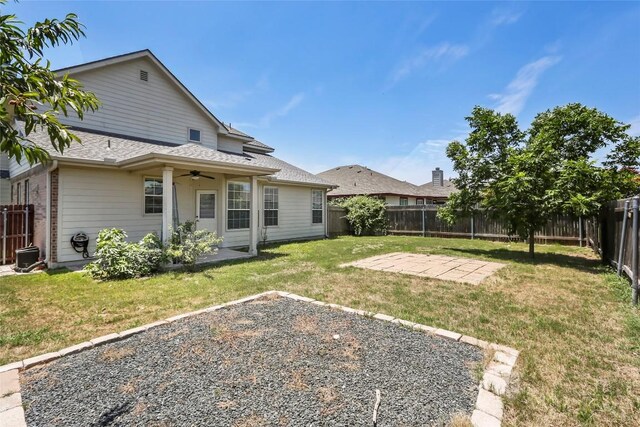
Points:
(189, 135)
(321, 208)
(27, 189)
(144, 196)
(264, 209)
(227, 204)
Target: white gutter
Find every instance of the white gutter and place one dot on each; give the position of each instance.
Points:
(54, 166)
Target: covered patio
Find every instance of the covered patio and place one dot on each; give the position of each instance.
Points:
(197, 191)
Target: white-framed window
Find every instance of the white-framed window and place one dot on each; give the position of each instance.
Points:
(152, 195)
(238, 205)
(271, 204)
(19, 193)
(194, 135)
(419, 201)
(26, 191)
(316, 206)
(404, 201)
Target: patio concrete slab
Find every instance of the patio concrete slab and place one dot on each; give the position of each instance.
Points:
(441, 267)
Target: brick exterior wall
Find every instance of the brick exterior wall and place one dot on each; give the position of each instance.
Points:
(38, 198)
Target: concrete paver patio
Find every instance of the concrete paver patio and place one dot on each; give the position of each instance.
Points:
(441, 267)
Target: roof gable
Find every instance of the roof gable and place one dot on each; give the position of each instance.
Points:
(146, 53)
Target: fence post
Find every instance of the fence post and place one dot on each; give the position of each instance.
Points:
(623, 235)
(634, 249)
(424, 221)
(4, 236)
(580, 229)
(473, 226)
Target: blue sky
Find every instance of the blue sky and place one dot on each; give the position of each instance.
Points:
(386, 85)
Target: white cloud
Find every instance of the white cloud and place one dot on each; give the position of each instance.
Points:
(504, 17)
(517, 92)
(269, 117)
(416, 166)
(634, 130)
(443, 51)
(232, 99)
(282, 111)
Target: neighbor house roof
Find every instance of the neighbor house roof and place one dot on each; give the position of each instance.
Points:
(120, 151)
(432, 190)
(356, 179)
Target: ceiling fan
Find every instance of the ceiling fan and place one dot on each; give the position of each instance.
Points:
(196, 175)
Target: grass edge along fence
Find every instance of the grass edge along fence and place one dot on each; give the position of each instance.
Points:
(421, 220)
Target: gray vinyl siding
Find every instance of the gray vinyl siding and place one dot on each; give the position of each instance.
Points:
(91, 199)
(155, 109)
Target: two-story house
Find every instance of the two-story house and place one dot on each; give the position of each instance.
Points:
(153, 155)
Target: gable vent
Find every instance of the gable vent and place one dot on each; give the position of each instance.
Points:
(144, 75)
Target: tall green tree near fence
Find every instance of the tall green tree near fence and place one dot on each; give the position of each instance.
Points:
(525, 177)
(30, 92)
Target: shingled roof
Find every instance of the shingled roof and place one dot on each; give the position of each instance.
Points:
(357, 179)
(253, 144)
(114, 149)
(444, 190)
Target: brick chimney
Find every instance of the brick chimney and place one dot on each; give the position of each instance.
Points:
(437, 177)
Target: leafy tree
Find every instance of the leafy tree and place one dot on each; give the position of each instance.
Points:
(523, 178)
(366, 215)
(31, 93)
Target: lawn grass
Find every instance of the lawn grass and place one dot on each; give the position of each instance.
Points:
(569, 316)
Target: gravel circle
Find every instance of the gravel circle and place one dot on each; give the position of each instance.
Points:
(272, 362)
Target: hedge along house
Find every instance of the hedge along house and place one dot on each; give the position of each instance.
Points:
(153, 155)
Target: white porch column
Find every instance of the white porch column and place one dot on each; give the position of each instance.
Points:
(167, 203)
(253, 223)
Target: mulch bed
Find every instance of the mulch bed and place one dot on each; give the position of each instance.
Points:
(271, 362)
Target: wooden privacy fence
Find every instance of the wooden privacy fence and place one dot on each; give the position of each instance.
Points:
(16, 230)
(422, 220)
(616, 236)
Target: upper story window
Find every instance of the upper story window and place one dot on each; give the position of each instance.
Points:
(152, 195)
(419, 201)
(194, 135)
(404, 201)
(316, 206)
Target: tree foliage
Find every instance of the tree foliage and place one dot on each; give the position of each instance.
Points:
(32, 96)
(366, 215)
(525, 177)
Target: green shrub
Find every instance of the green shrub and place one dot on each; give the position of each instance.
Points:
(188, 244)
(115, 258)
(366, 215)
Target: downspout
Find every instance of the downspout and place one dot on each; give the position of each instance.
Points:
(54, 166)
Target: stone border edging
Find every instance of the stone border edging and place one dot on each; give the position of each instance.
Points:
(488, 410)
